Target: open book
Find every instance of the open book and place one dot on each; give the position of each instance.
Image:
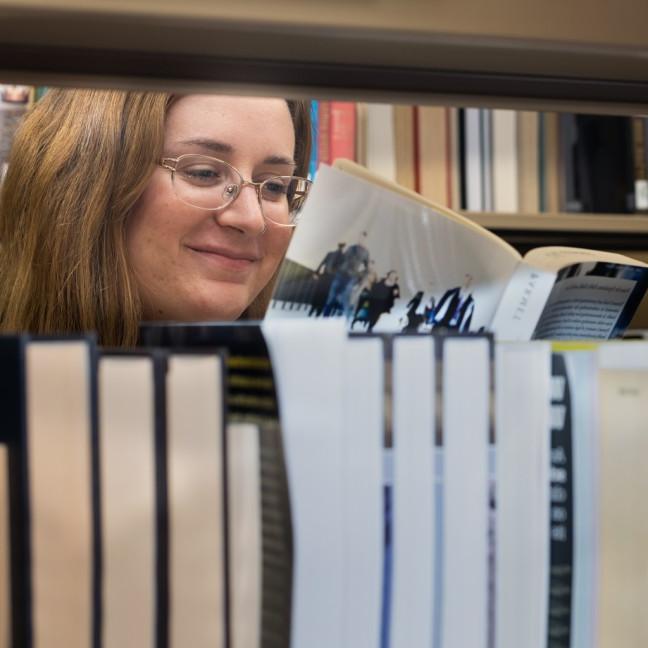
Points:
(387, 259)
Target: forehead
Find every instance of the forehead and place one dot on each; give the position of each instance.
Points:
(240, 121)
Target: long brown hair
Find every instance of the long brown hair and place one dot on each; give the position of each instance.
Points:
(78, 164)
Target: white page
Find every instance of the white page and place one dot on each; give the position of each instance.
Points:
(309, 363)
(522, 416)
(432, 255)
(413, 511)
(465, 415)
(128, 506)
(363, 490)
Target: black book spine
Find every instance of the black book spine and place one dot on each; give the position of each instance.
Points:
(461, 145)
(95, 494)
(561, 521)
(161, 503)
(13, 404)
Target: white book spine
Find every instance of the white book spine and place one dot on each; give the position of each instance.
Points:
(505, 162)
(414, 482)
(195, 485)
(474, 162)
(522, 415)
(314, 444)
(381, 140)
(466, 369)
(363, 496)
(127, 455)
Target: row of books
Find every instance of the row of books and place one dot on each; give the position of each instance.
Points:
(493, 160)
(437, 490)
(131, 496)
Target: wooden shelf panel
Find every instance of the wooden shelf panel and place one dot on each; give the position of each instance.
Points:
(585, 223)
(458, 52)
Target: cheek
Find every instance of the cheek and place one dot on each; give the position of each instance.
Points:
(276, 244)
(153, 230)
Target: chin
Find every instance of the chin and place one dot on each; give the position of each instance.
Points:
(227, 309)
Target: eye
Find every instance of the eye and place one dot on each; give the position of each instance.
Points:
(275, 188)
(201, 174)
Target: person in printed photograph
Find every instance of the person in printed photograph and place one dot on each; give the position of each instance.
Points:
(353, 268)
(323, 278)
(456, 307)
(382, 297)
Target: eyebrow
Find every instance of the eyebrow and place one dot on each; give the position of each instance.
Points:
(221, 147)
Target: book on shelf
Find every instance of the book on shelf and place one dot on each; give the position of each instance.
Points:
(195, 458)
(493, 160)
(49, 404)
(442, 490)
(252, 407)
(622, 529)
(132, 487)
(386, 259)
(5, 544)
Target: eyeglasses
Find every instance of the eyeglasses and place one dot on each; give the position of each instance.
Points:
(208, 183)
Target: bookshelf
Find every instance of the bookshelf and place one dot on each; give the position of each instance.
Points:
(443, 52)
(505, 53)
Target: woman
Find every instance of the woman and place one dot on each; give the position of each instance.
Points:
(119, 207)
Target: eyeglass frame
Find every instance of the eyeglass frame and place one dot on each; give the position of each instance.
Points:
(257, 186)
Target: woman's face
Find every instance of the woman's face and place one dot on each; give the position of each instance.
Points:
(190, 264)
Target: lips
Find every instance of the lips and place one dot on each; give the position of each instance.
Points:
(230, 259)
(236, 255)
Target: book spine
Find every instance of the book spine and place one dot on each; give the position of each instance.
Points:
(505, 162)
(342, 130)
(404, 146)
(640, 171)
(13, 403)
(323, 133)
(162, 595)
(473, 159)
(312, 164)
(551, 160)
(561, 518)
(528, 177)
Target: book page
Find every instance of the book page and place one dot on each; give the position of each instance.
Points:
(386, 262)
(569, 293)
(592, 300)
(557, 257)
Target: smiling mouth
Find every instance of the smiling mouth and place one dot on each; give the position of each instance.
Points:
(225, 259)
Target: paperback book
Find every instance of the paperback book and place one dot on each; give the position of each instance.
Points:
(386, 259)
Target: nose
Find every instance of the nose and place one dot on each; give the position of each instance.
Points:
(244, 212)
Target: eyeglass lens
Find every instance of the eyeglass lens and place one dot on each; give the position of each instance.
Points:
(209, 183)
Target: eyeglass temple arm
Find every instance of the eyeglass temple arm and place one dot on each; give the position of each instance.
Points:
(164, 162)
